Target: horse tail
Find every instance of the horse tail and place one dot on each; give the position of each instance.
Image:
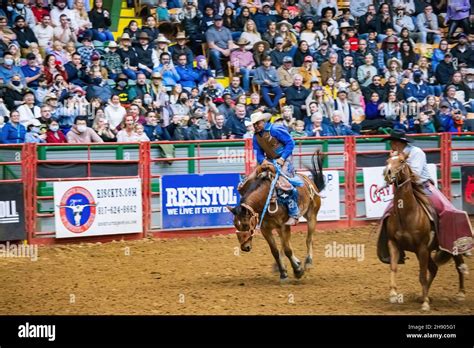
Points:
(317, 170)
(441, 257)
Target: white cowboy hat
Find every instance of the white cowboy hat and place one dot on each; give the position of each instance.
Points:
(258, 116)
(34, 122)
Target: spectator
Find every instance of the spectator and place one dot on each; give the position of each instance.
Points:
(366, 72)
(402, 20)
(444, 118)
(128, 56)
(301, 53)
(298, 130)
(234, 89)
(127, 133)
(181, 48)
(188, 76)
(427, 24)
(28, 111)
(81, 134)
(168, 72)
(8, 69)
(64, 32)
(243, 63)
(44, 32)
(202, 68)
(296, 96)
(114, 112)
(267, 77)
(144, 53)
(14, 92)
(373, 118)
(454, 103)
(424, 124)
(341, 103)
(236, 122)
(21, 10)
(39, 10)
(438, 54)
(24, 34)
(98, 88)
(54, 135)
(375, 86)
(140, 134)
(286, 73)
(59, 10)
(13, 132)
(408, 55)
(457, 16)
(463, 53)
(102, 127)
(101, 21)
(271, 34)
(31, 71)
(219, 130)
(34, 133)
(250, 34)
(445, 69)
(337, 127)
(227, 107)
(263, 17)
(417, 89)
(349, 71)
(260, 51)
(81, 17)
(219, 39)
(150, 28)
(153, 129)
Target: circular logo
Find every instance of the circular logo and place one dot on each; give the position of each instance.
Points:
(77, 209)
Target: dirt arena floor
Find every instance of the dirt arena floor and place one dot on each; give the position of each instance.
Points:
(205, 276)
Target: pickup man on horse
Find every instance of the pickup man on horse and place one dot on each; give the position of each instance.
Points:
(455, 232)
(272, 142)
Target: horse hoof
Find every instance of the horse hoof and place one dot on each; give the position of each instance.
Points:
(425, 306)
(460, 296)
(299, 273)
(284, 280)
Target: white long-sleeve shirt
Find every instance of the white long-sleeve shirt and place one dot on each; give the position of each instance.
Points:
(417, 162)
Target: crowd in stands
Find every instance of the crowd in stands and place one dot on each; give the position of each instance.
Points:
(317, 69)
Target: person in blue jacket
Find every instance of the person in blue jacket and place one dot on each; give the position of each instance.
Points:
(13, 132)
(273, 142)
(188, 76)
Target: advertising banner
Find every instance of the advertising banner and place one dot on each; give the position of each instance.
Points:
(193, 201)
(467, 174)
(99, 207)
(377, 202)
(12, 216)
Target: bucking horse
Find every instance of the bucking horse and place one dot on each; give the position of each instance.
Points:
(247, 215)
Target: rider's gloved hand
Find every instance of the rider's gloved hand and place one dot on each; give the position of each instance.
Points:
(280, 162)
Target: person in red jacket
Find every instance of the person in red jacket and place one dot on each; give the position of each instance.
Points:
(54, 135)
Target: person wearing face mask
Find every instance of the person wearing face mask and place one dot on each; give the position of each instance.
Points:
(8, 69)
(20, 9)
(114, 112)
(417, 89)
(34, 133)
(81, 134)
(121, 88)
(14, 92)
(54, 135)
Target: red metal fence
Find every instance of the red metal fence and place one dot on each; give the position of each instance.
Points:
(29, 163)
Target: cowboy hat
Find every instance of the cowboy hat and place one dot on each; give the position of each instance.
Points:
(398, 135)
(258, 116)
(143, 35)
(112, 44)
(321, 21)
(242, 42)
(345, 25)
(391, 60)
(162, 38)
(125, 36)
(285, 23)
(264, 43)
(181, 36)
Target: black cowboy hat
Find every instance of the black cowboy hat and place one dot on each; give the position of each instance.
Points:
(398, 135)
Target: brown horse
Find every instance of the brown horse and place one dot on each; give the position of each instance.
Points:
(409, 228)
(254, 195)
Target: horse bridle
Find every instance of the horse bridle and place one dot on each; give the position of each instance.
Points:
(394, 179)
(253, 223)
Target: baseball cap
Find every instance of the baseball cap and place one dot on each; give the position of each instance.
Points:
(30, 56)
(308, 59)
(444, 104)
(287, 59)
(278, 40)
(324, 42)
(217, 17)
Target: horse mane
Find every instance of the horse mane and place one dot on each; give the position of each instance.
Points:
(418, 191)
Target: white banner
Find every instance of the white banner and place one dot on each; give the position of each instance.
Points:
(330, 201)
(99, 207)
(376, 203)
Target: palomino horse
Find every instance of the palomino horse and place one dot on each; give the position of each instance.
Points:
(254, 195)
(409, 228)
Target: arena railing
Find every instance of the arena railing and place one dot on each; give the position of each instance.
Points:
(38, 166)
